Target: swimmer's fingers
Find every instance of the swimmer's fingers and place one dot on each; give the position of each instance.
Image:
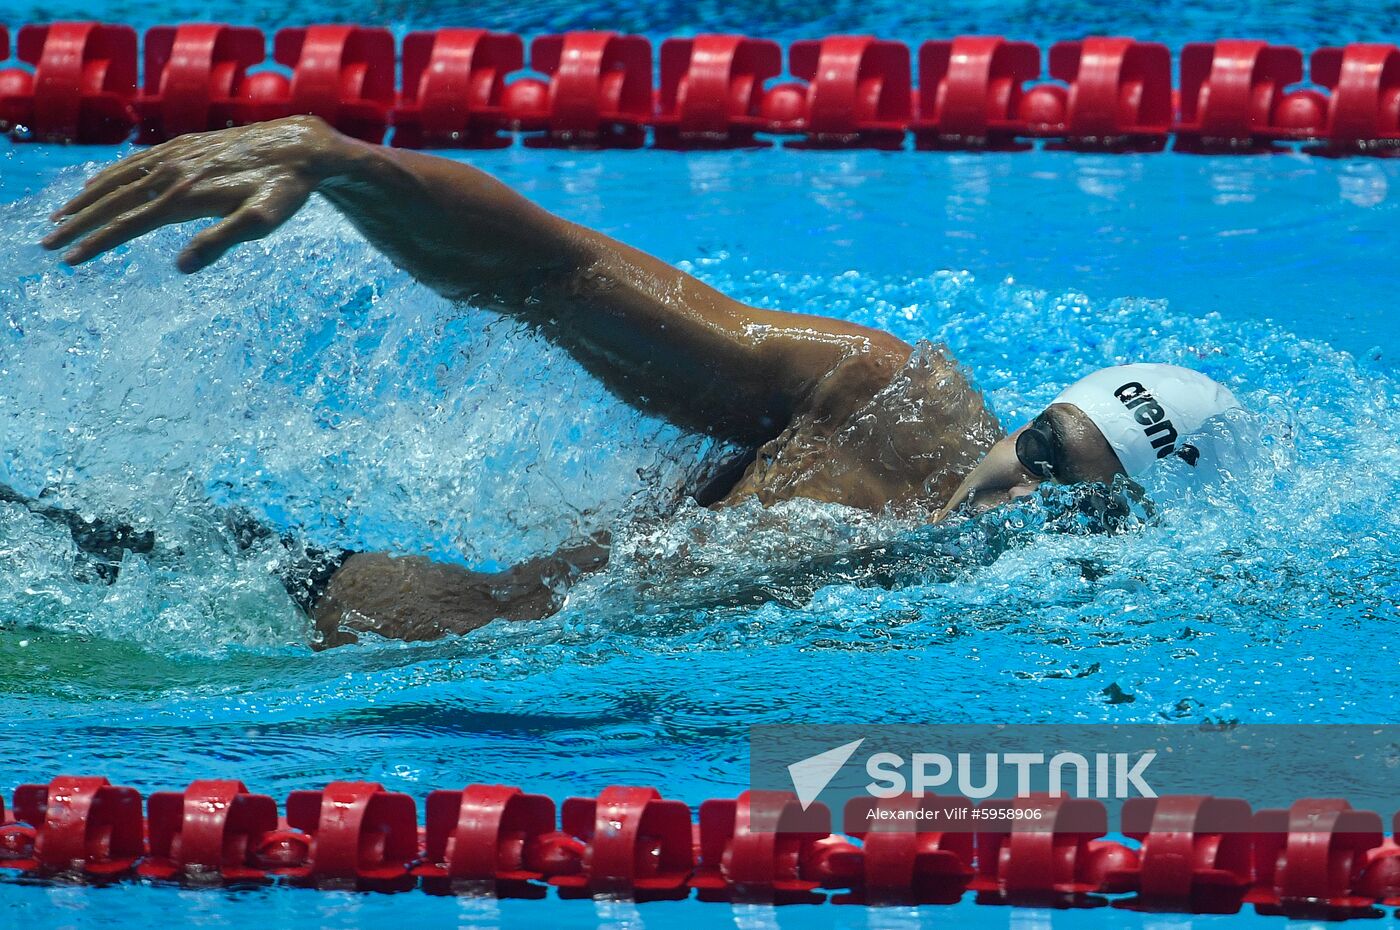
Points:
(124, 172)
(116, 202)
(129, 170)
(138, 221)
(253, 220)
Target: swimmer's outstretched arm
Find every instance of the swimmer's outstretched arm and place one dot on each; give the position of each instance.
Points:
(656, 336)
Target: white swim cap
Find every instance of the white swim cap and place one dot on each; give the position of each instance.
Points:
(1146, 411)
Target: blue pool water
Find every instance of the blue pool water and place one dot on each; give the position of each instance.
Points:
(308, 381)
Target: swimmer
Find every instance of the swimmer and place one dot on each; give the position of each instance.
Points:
(825, 409)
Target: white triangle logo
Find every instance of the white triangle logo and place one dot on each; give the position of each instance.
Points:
(813, 774)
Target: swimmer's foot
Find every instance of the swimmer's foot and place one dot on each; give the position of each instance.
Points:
(102, 544)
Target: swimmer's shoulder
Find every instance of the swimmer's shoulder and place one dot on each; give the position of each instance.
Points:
(939, 420)
(858, 376)
(887, 431)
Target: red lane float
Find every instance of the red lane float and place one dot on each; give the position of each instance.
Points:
(193, 75)
(343, 74)
(1364, 108)
(355, 833)
(16, 87)
(209, 831)
(970, 92)
(81, 826)
(1234, 97)
(81, 88)
(1380, 877)
(598, 92)
(763, 848)
(1308, 860)
(636, 844)
(15, 83)
(1118, 95)
(1046, 851)
(454, 88)
(491, 836)
(858, 93)
(1194, 855)
(904, 857)
(711, 93)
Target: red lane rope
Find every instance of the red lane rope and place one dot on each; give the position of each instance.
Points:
(469, 88)
(1192, 854)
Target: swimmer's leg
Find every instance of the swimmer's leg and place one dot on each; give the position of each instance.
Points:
(409, 598)
(413, 598)
(345, 593)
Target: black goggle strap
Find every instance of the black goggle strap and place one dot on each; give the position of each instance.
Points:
(1038, 448)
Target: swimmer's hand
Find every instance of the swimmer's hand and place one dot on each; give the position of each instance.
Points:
(254, 177)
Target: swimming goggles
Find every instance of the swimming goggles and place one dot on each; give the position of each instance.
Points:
(1039, 450)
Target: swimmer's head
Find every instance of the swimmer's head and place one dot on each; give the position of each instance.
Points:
(1116, 421)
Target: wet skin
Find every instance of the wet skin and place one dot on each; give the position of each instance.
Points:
(806, 393)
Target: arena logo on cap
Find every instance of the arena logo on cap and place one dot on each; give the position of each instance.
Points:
(1149, 413)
